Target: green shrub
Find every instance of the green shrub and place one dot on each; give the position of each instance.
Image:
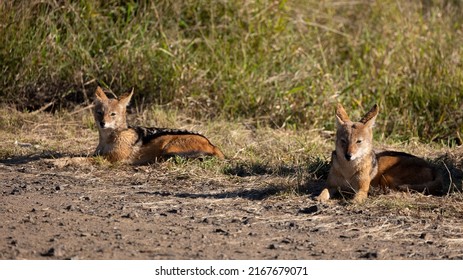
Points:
(279, 63)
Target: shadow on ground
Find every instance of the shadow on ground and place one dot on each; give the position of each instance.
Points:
(32, 157)
(251, 194)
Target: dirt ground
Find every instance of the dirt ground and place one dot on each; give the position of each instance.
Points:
(154, 212)
(189, 210)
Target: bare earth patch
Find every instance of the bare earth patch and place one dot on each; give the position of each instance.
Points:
(256, 205)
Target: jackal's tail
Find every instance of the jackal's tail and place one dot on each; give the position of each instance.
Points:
(218, 153)
(191, 146)
(192, 154)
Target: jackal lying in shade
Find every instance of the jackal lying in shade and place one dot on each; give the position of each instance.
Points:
(355, 166)
(138, 145)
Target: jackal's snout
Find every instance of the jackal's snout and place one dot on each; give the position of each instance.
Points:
(348, 156)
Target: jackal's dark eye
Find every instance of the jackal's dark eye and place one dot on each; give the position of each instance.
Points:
(113, 114)
(99, 113)
(359, 141)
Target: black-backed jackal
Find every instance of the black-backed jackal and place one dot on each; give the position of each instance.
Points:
(355, 166)
(138, 145)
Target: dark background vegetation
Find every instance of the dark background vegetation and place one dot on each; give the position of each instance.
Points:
(277, 63)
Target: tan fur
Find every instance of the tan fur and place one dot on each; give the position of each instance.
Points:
(120, 143)
(171, 145)
(356, 167)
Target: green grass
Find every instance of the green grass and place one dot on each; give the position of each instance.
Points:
(273, 63)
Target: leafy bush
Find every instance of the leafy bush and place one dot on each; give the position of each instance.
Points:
(279, 63)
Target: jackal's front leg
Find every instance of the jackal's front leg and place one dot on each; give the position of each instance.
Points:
(330, 188)
(363, 187)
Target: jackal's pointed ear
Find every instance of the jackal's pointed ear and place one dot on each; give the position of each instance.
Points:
(125, 99)
(370, 117)
(341, 115)
(100, 95)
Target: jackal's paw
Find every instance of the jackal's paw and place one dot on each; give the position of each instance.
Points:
(69, 161)
(324, 196)
(360, 197)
